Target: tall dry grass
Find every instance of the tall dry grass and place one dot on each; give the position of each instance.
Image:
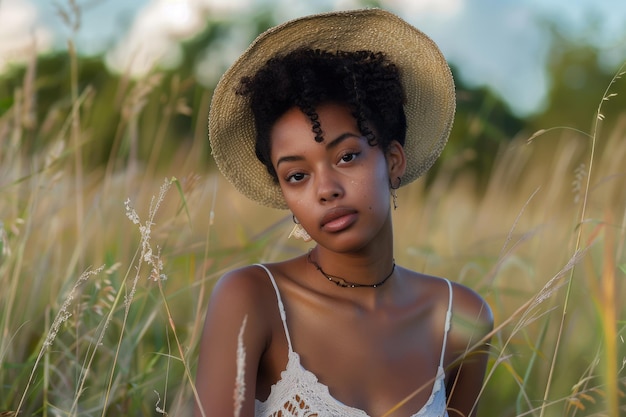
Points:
(545, 244)
(105, 273)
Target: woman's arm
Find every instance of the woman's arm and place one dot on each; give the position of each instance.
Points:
(472, 321)
(235, 335)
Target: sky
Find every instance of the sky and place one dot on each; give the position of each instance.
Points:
(496, 43)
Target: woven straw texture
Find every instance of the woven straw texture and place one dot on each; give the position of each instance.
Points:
(425, 75)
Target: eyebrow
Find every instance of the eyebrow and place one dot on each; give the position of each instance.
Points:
(332, 144)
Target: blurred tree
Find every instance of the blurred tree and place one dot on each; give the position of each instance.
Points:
(52, 94)
(483, 123)
(578, 80)
(126, 120)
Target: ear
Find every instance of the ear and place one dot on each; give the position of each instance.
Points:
(396, 160)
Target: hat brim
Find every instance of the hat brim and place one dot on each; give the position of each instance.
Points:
(425, 76)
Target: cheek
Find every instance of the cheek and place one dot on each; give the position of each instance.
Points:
(374, 191)
(380, 176)
(294, 200)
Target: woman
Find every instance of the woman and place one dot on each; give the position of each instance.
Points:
(327, 116)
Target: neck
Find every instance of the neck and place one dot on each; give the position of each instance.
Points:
(353, 270)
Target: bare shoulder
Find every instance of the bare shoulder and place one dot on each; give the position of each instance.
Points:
(240, 313)
(242, 295)
(472, 319)
(244, 290)
(466, 303)
(471, 315)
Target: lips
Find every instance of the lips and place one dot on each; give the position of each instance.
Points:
(338, 219)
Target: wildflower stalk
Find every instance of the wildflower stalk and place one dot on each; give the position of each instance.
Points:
(146, 255)
(609, 318)
(240, 381)
(60, 318)
(583, 213)
(178, 345)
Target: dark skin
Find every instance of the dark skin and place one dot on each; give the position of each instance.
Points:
(373, 347)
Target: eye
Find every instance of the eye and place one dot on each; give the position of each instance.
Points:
(349, 156)
(297, 177)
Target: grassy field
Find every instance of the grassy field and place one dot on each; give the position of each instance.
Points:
(105, 272)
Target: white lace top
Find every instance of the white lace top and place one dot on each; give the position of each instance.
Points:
(298, 393)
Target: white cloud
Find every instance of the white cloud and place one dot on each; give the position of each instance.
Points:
(493, 43)
(153, 40)
(21, 36)
(226, 6)
(222, 54)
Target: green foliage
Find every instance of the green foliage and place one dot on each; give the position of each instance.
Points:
(578, 77)
(483, 124)
(500, 215)
(114, 105)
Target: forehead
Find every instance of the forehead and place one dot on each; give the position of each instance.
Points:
(329, 119)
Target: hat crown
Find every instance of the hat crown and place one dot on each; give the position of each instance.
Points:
(425, 77)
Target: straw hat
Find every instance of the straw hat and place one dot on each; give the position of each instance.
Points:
(425, 76)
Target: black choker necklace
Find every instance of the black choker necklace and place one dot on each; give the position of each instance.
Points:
(340, 282)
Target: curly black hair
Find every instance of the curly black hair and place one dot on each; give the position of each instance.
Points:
(367, 82)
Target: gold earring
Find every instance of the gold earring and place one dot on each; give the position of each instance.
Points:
(298, 231)
(394, 196)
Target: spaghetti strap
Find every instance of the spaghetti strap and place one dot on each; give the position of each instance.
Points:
(447, 325)
(281, 307)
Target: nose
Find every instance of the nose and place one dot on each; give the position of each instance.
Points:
(329, 186)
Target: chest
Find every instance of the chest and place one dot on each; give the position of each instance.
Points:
(368, 360)
(301, 394)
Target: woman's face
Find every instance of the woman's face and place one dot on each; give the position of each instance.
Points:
(338, 189)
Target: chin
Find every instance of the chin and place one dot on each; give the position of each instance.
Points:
(346, 244)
